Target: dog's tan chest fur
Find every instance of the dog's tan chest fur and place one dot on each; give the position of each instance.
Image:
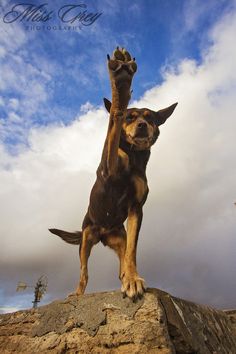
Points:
(124, 158)
(140, 187)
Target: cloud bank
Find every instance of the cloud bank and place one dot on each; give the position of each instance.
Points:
(187, 242)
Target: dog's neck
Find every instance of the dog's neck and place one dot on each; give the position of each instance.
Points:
(138, 158)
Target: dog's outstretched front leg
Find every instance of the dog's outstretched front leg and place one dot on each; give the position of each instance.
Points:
(113, 141)
(132, 284)
(121, 69)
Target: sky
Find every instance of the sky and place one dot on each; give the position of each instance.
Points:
(52, 128)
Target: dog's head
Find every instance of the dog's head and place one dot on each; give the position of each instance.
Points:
(141, 126)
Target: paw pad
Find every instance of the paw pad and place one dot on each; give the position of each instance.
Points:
(122, 60)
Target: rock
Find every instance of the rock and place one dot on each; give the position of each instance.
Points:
(107, 323)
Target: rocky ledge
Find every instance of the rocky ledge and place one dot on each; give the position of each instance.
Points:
(107, 323)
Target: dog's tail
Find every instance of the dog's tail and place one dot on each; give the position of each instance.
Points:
(73, 238)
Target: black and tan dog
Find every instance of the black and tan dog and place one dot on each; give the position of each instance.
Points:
(121, 189)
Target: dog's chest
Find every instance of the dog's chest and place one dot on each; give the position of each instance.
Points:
(140, 188)
(130, 170)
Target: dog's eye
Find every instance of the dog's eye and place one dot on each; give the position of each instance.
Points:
(129, 118)
(149, 119)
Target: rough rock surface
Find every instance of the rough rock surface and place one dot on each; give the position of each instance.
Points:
(107, 323)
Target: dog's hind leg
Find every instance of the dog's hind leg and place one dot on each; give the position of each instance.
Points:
(117, 241)
(89, 239)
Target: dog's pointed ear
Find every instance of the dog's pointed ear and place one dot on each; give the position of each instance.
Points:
(165, 113)
(107, 104)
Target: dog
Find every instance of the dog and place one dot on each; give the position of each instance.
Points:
(121, 187)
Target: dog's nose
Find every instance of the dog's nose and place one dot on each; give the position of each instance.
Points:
(142, 125)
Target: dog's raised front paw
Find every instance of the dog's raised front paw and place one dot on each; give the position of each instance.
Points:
(121, 66)
(133, 286)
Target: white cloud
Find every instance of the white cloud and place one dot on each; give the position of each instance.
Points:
(22, 77)
(187, 242)
(47, 170)
(15, 118)
(12, 37)
(26, 80)
(194, 11)
(86, 107)
(13, 103)
(2, 52)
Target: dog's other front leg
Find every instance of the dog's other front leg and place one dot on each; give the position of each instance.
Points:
(116, 240)
(88, 241)
(132, 284)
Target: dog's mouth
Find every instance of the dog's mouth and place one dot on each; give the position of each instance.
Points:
(140, 142)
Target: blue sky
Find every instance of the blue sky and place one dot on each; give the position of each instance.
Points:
(52, 127)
